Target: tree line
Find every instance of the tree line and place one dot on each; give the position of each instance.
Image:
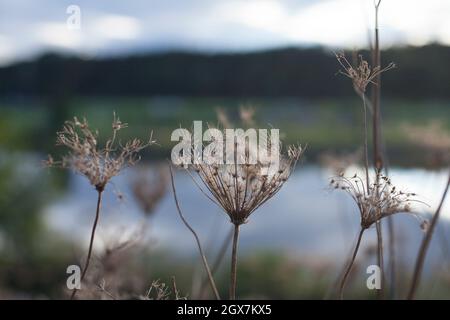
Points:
(295, 72)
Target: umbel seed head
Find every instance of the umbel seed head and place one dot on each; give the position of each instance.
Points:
(85, 157)
(240, 189)
(380, 200)
(362, 74)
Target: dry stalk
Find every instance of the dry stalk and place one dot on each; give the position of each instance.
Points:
(362, 75)
(200, 249)
(424, 246)
(240, 189)
(234, 263)
(373, 206)
(98, 165)
(218, 260)
(91, 241)
(378, 157)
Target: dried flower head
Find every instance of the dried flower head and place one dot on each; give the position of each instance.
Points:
(240, 189)
(247, 115)
(362, 74)
(118, 245)
(149, 191)
(160, 291)
(381, 200)
(340, 162)
(85, 157)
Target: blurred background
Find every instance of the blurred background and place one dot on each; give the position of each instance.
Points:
(161, 64)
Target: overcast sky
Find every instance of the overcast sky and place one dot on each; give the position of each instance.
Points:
(109, 27)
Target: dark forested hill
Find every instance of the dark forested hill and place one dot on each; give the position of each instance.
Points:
(422, 72)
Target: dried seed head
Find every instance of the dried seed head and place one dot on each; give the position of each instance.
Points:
(362, 74)
(247, 115)
(239, 189)
(98, 165)
(149, 191)
(381, 199)
(338, 163)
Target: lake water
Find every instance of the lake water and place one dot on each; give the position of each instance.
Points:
(305, 218)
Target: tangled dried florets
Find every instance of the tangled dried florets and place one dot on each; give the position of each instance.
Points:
(361, 74)
(85, 157)
(381, 200)
(240, 189)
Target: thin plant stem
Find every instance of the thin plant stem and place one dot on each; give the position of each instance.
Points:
(366, 149)
(101, 287)
(424, 246)
(390, 225)
(350, 265)
(233, 280)
(218, 260)
(91, 243)
(334, 287)
(200, 249)
(176, 293)
(376, 93)
(392, 243)
(392, 264)
(380, 257)
(378, 157)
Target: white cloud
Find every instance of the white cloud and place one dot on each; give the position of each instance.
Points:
(418, 22)
(116, 27)
(444, 34)
(6, 50)
(332, 23)
(260, 14)
(58, 35)
(221, 24)
(343, 22)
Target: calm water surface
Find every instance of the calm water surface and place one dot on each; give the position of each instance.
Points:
(305, 218)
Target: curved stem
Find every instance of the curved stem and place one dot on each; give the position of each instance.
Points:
(424, 246)
(350, 265)
(199, 245)
(233, 280)
(218, 260)
(91, 243)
